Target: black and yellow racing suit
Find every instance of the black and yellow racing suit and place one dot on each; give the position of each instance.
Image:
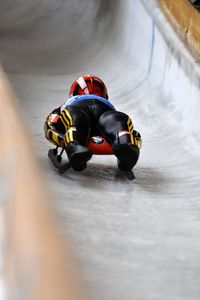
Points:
(84, 116)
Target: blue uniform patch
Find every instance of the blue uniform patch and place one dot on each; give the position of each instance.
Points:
(80, 98)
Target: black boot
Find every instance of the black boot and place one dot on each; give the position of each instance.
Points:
(127, 155)
(78, 156)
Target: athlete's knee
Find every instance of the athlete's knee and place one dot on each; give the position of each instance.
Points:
(137, 139)
(53, 136)
(70, 135)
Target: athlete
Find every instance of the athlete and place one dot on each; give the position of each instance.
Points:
(87, 113)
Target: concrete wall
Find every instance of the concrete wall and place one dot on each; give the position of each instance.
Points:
(185, 20)
(37, 264)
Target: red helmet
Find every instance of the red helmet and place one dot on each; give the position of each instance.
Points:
(89, 85)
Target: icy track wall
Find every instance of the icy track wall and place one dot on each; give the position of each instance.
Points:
(173, 59)
(160, 89)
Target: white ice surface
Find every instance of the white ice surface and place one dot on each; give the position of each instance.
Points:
(135, 240)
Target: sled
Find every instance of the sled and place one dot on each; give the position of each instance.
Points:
(97, 145)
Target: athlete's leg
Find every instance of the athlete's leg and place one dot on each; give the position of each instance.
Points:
(117, 127)
(77, 125)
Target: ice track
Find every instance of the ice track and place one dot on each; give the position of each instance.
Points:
(135, 240)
